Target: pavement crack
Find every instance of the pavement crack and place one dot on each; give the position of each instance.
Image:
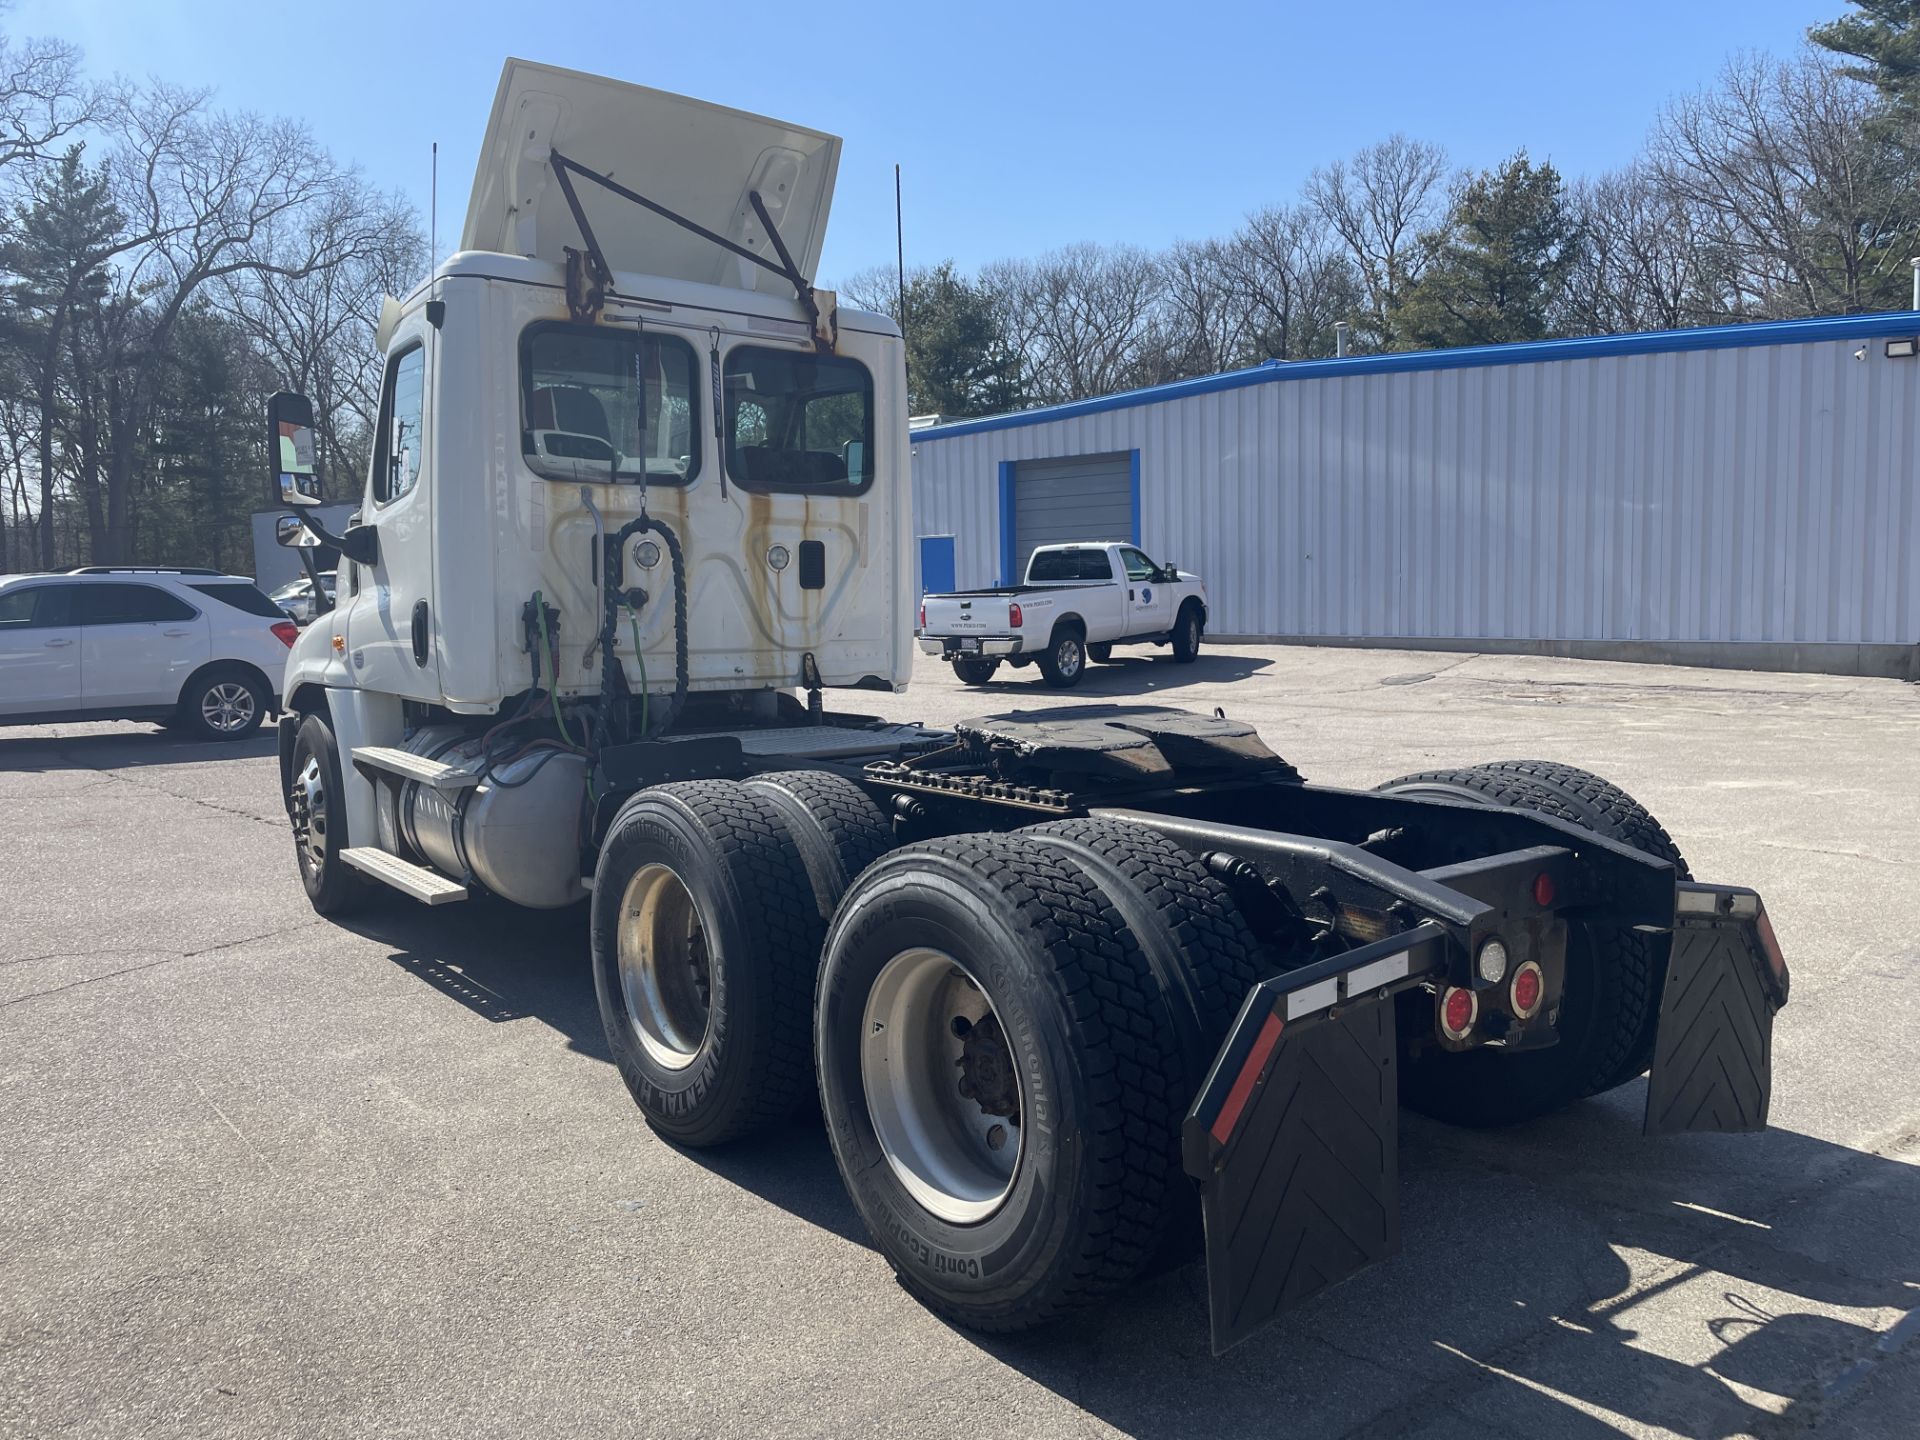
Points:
(1829, 850)
(155, 964)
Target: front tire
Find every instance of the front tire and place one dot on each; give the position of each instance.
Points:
(706, 937)
(1610, 1009)
(1064, 661)
(226, 703)
(1000, 1079)
(1186, 635)
(317, 808)
(975, 672)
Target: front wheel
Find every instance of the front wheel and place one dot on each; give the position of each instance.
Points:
(975, 672)
(1186, 636)
(1064, 661)
(317, 808)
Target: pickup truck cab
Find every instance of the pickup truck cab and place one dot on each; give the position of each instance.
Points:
(1076, 603)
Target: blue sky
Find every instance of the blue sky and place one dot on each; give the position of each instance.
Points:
(1019, 127)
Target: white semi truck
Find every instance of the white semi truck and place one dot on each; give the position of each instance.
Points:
(637, 487)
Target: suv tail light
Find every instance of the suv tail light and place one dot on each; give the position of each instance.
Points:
(1014, 618)
(287, 631)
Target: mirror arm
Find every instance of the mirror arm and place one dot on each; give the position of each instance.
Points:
(322, 602)
(360, 543)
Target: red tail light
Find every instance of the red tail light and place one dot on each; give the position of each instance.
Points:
(1458, 1010)
(287, 631)
(1543, 890)
(923, 614)
(1014, 618)
(1527, 988)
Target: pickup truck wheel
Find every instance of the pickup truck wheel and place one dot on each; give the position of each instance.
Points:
(835, 824)
(998, 1074)
(1064, 660)
(316, 807)
(1101, 653)
(705, 940)
(975, 672)
(1186, 635)
(1611, 1006)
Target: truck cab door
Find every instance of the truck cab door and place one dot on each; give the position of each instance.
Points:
(387, 612)
(1149, 603)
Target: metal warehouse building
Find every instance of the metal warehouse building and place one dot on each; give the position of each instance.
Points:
(1741, 495)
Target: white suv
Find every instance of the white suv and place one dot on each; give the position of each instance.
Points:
(192, 649)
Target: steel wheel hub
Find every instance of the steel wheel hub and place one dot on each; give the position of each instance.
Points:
(943, 1089)
(666, 970)
(307, 808)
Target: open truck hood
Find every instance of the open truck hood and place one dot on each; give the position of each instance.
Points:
(697, 159)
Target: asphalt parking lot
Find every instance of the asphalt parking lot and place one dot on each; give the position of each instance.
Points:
(264, 1175)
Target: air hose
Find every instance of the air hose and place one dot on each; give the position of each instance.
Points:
(613, 728)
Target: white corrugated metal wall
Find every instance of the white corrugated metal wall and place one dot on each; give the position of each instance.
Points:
(1764, 493)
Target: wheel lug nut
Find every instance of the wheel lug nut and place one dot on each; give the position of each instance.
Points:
(966, 1087)
(997, 1137)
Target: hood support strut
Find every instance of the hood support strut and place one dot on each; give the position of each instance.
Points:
(600, 277)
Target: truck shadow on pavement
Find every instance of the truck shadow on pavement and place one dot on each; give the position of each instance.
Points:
(128, 746)
(1549, 1274)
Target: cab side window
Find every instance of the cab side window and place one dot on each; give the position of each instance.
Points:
(397, 455)
(1139, 568)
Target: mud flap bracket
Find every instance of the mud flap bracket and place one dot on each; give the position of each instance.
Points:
(1726, 979)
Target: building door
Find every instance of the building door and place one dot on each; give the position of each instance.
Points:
(936, 565)
(1085, 498)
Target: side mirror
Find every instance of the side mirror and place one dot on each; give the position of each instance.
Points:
(291, 530)
(290, 443)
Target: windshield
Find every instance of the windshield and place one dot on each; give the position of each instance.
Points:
(583, 415)
(798, 421)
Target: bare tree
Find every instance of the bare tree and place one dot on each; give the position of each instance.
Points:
(1082, 317)
(1294, 282)
(1379, 202)
(1780, 163)
(1204, 321)
(1646, 261)
(44, 98)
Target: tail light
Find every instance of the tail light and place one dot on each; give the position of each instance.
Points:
(1525, 993)
(1459, 1008)
(1014, 618)
(287, 631)
(923, 614)
(1543, 890)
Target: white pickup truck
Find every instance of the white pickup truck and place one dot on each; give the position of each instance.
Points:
(1076, 604)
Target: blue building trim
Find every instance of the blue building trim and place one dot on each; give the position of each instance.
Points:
(1134, 465)
(1007, 551)
(1531, 352)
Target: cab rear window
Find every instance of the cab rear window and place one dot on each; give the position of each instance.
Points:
(1070, 565)
(796, 420)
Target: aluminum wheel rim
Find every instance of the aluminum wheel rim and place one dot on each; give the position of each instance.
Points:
(941, 1145)
(665, 966)
(1070, 657)
(226, 707)
(309, 814)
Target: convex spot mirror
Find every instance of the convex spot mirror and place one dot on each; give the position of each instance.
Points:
(290, 442)
(292, 530)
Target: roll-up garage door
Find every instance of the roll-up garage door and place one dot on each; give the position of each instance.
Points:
(1082, 497)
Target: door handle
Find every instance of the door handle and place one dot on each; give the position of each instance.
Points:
(1129, 594)
(58, 644)
(175, 634)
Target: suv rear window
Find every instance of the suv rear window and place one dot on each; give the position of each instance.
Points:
(127, 604)
(1070, 565)
(249, 598)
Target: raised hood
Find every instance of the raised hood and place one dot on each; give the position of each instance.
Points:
(696, 159)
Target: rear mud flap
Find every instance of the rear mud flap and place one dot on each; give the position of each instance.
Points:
(1295, 1138)
(1713, 1059)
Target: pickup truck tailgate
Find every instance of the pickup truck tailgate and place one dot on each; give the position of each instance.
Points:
(966, 615)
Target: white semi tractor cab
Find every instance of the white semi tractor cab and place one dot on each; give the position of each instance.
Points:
(1076, 604)
(637, 488)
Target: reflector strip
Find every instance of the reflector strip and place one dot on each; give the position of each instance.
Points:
(1380, 972)
(1249, 1076)
(1309, 998)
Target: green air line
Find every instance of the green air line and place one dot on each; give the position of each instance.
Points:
(633, 619)
(553, 650)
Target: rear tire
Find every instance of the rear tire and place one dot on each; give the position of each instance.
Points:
(1000, 928)
(1610, 1010)
(836, 826)
(1101, 652)
(1064, 661)
(224, 703)
(1187, 627)
(706, 937)
(974, 672)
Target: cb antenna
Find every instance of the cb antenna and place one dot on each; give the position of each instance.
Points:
(433, 211)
